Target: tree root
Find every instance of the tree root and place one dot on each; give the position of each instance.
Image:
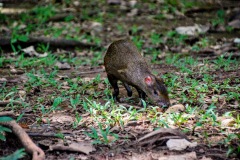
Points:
(32, 148)
(7, 113)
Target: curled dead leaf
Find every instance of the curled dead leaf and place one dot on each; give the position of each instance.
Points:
(226, 121)
(175, 108)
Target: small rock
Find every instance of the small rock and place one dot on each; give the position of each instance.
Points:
(132, 3)
(236, 40)
(65, 83)
(30, 51)
(192, 30)
(114, 2)
(87, 79)
(13, 70)
(180, 144)
(96, 26)
(63, 65)
(133, 12)
(76, 3)
(201, 150)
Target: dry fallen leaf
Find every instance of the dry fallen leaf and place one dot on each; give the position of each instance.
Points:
(30, 51)
(175, 108)
(205, 158)
(83, 147)
(62, 118)
(186, 156)
(226, 121)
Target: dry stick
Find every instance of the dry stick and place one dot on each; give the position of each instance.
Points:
(207, 9)
(5, 103)
(63, 148)
(37, 153)
(153, 136)
(7, 113)
(59, 42)
(91, 72)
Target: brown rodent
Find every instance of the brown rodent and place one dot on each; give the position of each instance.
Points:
(124, 62)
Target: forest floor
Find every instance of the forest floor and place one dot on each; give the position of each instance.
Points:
(59, 92)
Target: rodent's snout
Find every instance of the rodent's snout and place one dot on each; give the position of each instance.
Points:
(164, 104)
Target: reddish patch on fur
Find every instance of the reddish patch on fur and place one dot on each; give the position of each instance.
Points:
(148, 80)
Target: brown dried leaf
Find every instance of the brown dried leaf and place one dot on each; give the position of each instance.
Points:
(175, 108)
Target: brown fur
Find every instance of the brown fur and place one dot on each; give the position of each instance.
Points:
(124, 62)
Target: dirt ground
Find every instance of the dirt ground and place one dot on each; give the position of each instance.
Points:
(65, 105)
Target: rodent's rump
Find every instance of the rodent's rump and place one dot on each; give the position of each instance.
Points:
(124, 62)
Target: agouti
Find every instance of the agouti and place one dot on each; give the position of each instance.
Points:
(124, 62)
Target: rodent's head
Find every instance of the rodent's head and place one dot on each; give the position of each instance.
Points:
(156, 90)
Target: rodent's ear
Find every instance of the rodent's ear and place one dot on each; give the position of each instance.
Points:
(148, 80)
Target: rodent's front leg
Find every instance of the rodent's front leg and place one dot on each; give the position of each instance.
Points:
(142, 95)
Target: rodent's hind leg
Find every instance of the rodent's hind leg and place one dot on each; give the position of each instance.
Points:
(129, 90)
(113, 81)
(142, 95)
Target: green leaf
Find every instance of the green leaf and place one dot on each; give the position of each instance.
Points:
(4, 129)
(5, 119)
(23, 38)
(2, 137)
(15, 156)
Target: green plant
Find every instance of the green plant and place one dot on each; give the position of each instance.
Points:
(4, 129)
(56, 102)
(178, 119)
(60, 135)
(156, 38)
(138, 42)
(75, 102)
(77, 120)
(103, 136)
(19, 154)
(220, 18)
(43, 13)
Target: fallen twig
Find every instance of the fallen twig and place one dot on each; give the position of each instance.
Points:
(7, 113)
(46, 135)
(60, 42)
(82, 147)
(5, 103)
(91, 72)
(158, 135)
(37, 153)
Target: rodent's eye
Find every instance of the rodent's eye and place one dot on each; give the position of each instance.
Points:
(155, 92)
